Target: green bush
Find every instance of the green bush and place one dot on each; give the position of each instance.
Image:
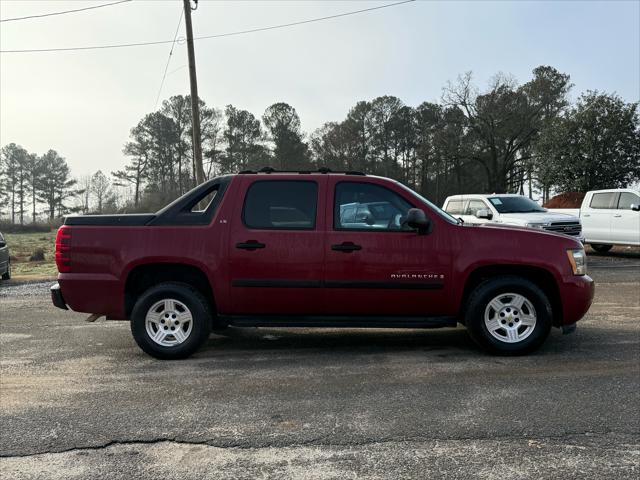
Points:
(37, 256)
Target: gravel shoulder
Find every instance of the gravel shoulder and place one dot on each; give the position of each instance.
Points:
(80, 400)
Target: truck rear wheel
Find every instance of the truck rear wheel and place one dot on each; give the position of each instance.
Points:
(601, 247)
(7, 275)
(508, 315)
(171, 321)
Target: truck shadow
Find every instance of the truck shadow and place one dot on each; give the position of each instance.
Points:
(339, 339)
(444, 342)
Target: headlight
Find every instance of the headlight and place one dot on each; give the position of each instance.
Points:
(536, 225)
(578, 261)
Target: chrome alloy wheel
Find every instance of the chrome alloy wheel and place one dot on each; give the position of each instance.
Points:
(510, 317)
(169, 322)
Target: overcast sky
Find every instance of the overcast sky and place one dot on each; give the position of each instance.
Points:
(83, 104)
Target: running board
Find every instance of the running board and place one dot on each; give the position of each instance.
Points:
(336, 321)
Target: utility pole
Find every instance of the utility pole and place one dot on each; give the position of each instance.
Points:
(195, 107)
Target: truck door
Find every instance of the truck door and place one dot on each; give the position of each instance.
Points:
(596, 217)
(374, 266)
(625, 224)
(276, 254)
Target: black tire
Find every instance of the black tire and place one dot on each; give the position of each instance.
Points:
(488, 290)
(200, 317)
(601, 247)
(7, 275)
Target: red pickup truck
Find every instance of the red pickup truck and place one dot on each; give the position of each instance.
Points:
(302, 249)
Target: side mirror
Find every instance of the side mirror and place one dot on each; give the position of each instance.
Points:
(3, 244)
(484, 213)
(417, 220)
(635, 207)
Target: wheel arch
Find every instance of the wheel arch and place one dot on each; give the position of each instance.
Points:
(144, 276)
(542, 278)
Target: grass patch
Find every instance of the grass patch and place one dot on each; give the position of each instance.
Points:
(23, 245)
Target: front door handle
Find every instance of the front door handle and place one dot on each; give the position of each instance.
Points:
(346, 247)
(617, 216)
(250, 245)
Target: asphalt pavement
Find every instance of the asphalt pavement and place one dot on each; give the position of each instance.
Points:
(80, 401)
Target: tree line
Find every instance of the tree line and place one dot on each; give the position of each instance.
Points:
(40, 188)
(527, 139)
(29, 181)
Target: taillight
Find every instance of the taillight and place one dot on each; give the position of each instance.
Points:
(63, 249)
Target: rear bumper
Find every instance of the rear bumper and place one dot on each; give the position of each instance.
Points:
(57, 298)
(93, 293)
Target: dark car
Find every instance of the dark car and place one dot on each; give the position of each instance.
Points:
(5, 261)
(317, 249)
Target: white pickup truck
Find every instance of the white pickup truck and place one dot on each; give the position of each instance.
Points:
(609, 217)
(511, 209)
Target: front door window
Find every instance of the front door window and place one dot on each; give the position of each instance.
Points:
(368, 207)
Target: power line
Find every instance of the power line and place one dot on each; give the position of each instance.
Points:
(29, 17)
(302, 22)
(96, 47)
(166, 67)
(219, 35)
(176, 69)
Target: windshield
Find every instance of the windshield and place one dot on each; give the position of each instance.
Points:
(436, 209)
(515, 205)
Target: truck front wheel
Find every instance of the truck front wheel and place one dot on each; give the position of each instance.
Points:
(601, 247)
(508, 315)
(171, 321)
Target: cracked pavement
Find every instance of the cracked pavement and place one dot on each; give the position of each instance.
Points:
(81, 401)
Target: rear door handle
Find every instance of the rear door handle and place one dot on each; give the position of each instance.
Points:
(346, 247)
(250, 245)
(617, 216)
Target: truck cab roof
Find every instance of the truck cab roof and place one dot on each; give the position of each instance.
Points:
(321, 171)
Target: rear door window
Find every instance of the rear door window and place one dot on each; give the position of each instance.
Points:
(454, 207)
(602, 200)
(281, 205)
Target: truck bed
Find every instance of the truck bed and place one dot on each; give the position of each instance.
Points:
(129, 220)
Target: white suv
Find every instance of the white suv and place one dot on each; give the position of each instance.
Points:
(511, 209)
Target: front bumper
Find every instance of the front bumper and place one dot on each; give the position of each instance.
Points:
(57, 298)
(577, 293)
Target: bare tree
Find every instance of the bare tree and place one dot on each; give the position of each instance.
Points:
(100, 187)
(85, 193)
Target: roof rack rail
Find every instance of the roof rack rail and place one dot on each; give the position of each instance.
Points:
(323, 170)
